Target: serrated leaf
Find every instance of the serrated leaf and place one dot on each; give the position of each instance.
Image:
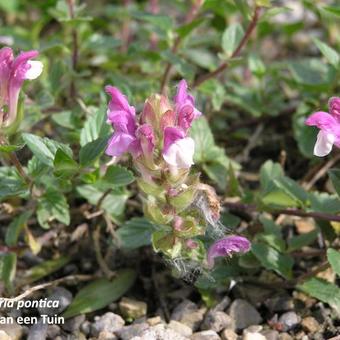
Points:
(135, 233)
(64, 165)
(52, 206)
(231, 38)
(94, 127)
(333, 257)
(92, 151)
(273, 260)
(15, 228)
(100, 293)
(329, 53)
(118, 176)
(323, 291)
(44, 148)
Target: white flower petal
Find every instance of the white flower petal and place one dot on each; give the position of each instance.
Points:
(180, 154)
(35, 70)
(324, 143)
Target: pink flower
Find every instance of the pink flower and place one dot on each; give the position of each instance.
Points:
(13, 72)
(178, 150)
(185, 106)
(329, 125)
(226, 247)
(123, 119)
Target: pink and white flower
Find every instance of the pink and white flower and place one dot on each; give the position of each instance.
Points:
(329, 125)
(13, 72)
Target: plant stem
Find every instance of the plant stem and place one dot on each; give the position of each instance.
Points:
(235, 54)
(288, 211)
(15, 161)
(71, 4)
(192, 14)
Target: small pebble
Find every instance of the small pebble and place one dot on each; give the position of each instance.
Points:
(64, 298)
(270, 334)
(38, 331)
(310, 324)
(180, 328)
(132, 309)
(53, 331)
(109, 322)
(253, 336)
(85, 327)
(217, 320)
(106, 336)
(4, 336)
(154, 321)
(205, 335)
(128, 332)
(15, 331)
(289, 320)
(73, 324)
(228, 334)
(285, 336)
(244, 314)
(280, 303)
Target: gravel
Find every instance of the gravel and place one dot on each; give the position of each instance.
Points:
(244, 314)
(289, 320)
(109, 322)
(64, 298)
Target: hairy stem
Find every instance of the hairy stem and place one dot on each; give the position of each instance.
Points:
(235, 54)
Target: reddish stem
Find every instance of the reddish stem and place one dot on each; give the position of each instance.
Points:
(235, 54)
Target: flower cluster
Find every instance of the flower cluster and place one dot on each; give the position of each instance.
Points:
(329, 125)
(13, 72)
(162, 151)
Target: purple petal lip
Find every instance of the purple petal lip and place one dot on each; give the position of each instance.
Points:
(227, 246)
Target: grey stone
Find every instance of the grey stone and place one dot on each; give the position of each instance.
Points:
(217, 320)
(52, 331)
(289, 320)
(180, 328)
(270, 334)
(85, 327)
(128, 332)
(228, 334)
(253, 336)
(132, 309)
(38, 331)
(285, 336)
(160, 332)
(189, 314)
(280, 303)
(108, 322)
(64, 298)
(106, 336)
(223, 304)
(205, 335)
(154, 321)
(4, 336)
(73, 324)
(15, 331)
(244, 314)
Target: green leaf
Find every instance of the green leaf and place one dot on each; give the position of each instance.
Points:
(272, 240)
(64, 165)
(231, 38)
(263, 3)
(100, 293)
(332, 9)
(323, 202)
(269, 171)
(9, 266)
(135, 233)
(329, 53)
(11, 148)
(16, 226)
(333, 257)
(11, 184)
(163, 22)
(323, 291)
(44, 148)
(297, 242)
(118, 176)
(186, 29)
(113, 203)
(273, 260)
(52, 205)
(334, 175)
(92, 151)
(256, 65)
(45, 268)
(94, 127)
